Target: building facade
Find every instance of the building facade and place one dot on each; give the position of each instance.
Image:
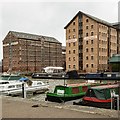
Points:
(64, 57)
(117, 25)
(25, 52)
(0, 66)
(89, 43)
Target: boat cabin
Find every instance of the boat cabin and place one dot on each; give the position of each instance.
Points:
(53, 69)
(67, 93)
(100, 96)
(70, 89)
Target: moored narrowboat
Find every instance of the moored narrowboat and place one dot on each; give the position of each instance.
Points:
(68, 92)
(99, 96)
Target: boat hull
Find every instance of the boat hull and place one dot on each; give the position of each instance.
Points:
(17, 87)
(62, 98)
(33, 91)
(106, 105)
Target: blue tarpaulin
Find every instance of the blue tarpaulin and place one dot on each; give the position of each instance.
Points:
(23, 79)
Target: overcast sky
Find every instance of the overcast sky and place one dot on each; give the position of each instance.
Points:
(50, 18)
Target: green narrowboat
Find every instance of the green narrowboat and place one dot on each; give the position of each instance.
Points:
(68, 92)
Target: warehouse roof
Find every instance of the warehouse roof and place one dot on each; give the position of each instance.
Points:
(92, 17)
(33, 37)
(117, 25)
(115, 59)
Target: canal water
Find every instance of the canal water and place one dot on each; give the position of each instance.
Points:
(52, 83)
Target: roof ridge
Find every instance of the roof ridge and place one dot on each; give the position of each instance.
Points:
(33, 36)
(98, 19)
(92, 17)
(30, 34)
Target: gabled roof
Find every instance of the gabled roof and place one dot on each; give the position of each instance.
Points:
(33, 37)
(92, 17)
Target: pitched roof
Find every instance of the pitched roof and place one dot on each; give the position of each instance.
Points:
(92, 17)
(117, 25)
(33, 37)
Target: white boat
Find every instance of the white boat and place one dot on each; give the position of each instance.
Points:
(9, 76)
(50, 72)
(2, 82)
(15, 87)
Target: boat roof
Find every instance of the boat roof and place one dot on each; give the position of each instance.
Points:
(105, 86)
(76, 85)
(1, 81)
(53, 68)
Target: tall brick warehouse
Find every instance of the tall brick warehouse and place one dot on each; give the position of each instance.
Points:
(89, 43)
(23, 52)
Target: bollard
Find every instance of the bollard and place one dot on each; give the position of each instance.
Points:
(23, 90)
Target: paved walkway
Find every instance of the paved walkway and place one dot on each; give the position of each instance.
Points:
(13, 107)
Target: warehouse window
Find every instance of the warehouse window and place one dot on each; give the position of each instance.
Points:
(73, 58)
(74, 66)
(91, 41)
(92, 65)
(92, 49)
(73, 23)
(69, 59)
(86, 27)
(91, 26)
(86, 65)
(92, 33)
(73, 51)
(69, 44)
(87, 42)
(86, 49)
(73, 36)
(86, 34)
(86, 57)
(74, 44)
(91, 57)
(69, 66)
(69, 30)
(87, 20)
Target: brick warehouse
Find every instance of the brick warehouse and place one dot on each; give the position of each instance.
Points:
(117, 25)
(25, 52)
(89, 43)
